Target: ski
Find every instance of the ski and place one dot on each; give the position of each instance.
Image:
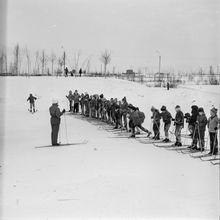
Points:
(163, 145)
(183, 147)
(203, 155)
(213, 163)
(63, 145)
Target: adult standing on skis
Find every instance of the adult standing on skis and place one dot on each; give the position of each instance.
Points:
(55, 114)
(167, 118)
(31, 100)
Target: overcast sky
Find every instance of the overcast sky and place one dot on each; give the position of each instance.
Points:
(184, 32)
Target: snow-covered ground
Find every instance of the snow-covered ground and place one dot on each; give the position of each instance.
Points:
(107, 177)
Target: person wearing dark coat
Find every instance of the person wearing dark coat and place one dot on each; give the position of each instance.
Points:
(200, 127)
(213, 126)
(156, 122)
(167, 118)
(55, 114)
(86, 103)
(124, 109)
(179, 124)
(136, 120)
(80, 72)
(192, 119)
(66, 71)
(76, 98)
(31, 100)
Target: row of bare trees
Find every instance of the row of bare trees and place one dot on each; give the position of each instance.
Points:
(22, 62)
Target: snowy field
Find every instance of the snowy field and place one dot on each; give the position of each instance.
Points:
(108, 177)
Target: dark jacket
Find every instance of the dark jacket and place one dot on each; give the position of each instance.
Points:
(55, 114)
(156, 116)
(166, 116)
(201, 122)
(124, 107)
(31, 99)
(179, 119)
(137, 117)
(70, 97)
(194, 114)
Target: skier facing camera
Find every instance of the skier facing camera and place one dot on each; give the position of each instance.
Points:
(31, 100)
(136, 120)
(55, 114)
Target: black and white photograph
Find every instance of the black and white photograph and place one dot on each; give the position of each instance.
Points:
(109, 109)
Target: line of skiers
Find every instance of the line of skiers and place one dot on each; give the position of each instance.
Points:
(128, 117)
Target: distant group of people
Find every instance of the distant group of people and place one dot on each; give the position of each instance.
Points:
(128, 117)
(72, 72)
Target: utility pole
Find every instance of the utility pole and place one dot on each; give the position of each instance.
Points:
(159, 63)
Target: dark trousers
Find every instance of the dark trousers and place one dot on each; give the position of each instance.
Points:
(156, 129)
(32, 106)
(76, 108)
(199, 136)
(132, 126)
(213, 142)
(54, 133)
(70, 104)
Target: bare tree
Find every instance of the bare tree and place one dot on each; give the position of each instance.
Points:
(76, 60)
(43, 60)
(17, 59)
(28, 59)
(52, 59)
(37, 63)
(3, 62)
(105, 59)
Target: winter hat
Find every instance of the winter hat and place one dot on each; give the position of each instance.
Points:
(177, 107)
(124, 99)
(132, 107)
(152, 108)
(54, 101)
(194, 107)
(163, 108)
(214, 110)
(200, 109)
(101, 96)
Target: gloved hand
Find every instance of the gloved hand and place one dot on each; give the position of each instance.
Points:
(63, 111)
(216, 128)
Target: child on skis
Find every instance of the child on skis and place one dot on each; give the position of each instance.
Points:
(156, 122)
(213, 126)
(179, 124)
(167, 118)
(70, 99)
(199, 131)
(136, 120)
(31, 100)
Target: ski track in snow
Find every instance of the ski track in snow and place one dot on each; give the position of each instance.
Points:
(107, 177)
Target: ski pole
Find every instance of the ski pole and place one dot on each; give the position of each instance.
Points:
(200, 142)
(66, 129)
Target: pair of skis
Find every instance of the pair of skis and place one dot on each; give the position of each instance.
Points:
(63, 145)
